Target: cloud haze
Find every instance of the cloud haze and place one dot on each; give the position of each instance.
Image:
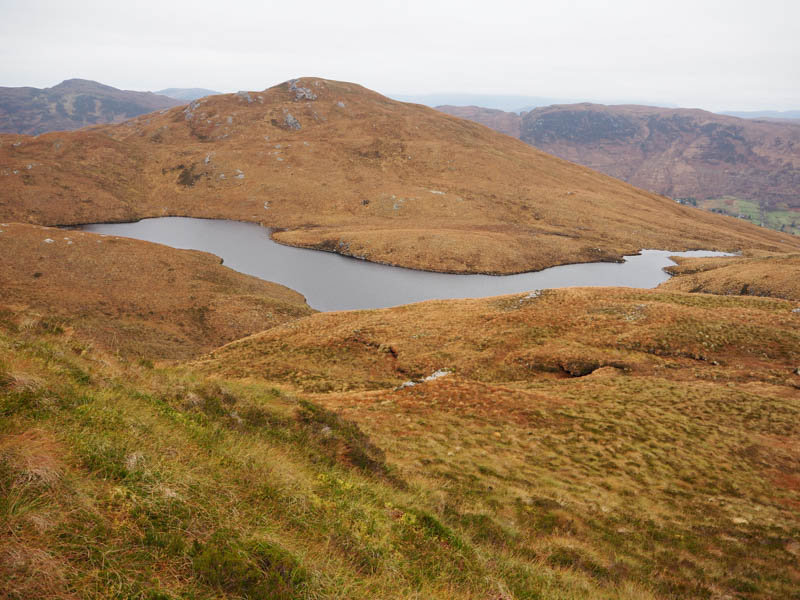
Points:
(712, 54)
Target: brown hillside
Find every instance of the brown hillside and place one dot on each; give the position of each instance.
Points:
(680, 153)
(775, 275)
(135, 297)
(677, 152)
(72, 104)
(338, 167)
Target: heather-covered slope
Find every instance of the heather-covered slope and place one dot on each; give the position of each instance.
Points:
(72, 104)
(678, 152)
(337, 167)
(639, 437)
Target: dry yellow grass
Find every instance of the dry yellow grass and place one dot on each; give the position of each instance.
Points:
(364, 175)
(637, 435)
(601, 443)
(554, 333)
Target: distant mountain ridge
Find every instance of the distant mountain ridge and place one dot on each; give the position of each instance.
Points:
(681, 153)
(763, 114)
(72, 104)
(510, 103)
(187, 94)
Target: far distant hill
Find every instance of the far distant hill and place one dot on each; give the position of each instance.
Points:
(509, 123)
(187, 94)
(764, 114)
(72, 104)
(511, 103)
(743, 167)
(506, 103)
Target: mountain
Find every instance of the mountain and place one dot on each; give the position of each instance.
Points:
(186, 94)
(172, 429)
(764, 114)
(509, 123)
(499, 102)
(334, 166)
(741, 167)
(72, 104)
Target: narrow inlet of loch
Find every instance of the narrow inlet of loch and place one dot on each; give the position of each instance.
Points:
(333, 282)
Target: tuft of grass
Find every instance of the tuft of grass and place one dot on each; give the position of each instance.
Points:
(251, 569)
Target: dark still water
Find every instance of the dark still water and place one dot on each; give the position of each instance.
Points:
(333, 282)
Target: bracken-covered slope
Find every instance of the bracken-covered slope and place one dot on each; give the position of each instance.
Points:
(681, 153)
(72, 104)
(341, 168)
(136, 298)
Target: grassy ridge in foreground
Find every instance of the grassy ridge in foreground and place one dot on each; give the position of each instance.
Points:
(602, 443)
(635, 436)
(122, 481)
(755, 274)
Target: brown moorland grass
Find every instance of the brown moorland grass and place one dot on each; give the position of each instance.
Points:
(585, 443)
(120, 480)
(136, 298)
(755, 274)
(640, 437)
(338, 167)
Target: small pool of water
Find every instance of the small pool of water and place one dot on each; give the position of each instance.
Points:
(333, 282)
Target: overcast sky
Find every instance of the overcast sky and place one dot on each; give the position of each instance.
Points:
(713, 54)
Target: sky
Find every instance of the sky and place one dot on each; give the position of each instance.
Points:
(712, 54)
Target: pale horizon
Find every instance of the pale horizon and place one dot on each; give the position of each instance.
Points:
(708, 54)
